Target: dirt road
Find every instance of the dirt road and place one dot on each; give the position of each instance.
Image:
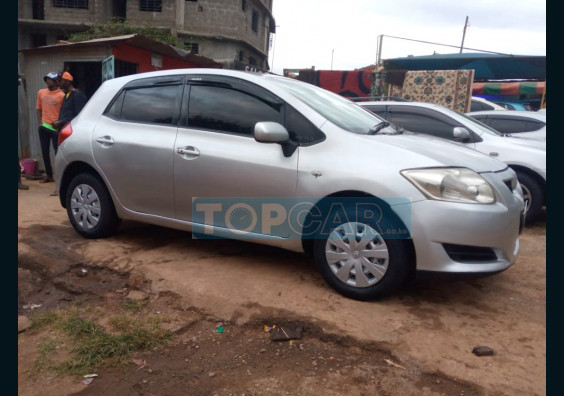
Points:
(418, 341)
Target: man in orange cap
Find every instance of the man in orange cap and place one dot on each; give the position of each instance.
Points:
(73, 101)
(49, 102)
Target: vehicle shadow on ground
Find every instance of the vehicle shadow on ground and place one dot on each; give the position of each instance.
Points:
(426, 286)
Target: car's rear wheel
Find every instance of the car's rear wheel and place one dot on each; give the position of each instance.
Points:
(363, 260)
(90, 208)
(532, 195)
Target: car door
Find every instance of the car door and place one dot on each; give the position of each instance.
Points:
(216, 155)
(133, 144)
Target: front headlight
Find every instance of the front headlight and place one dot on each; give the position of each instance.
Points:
(451, 184)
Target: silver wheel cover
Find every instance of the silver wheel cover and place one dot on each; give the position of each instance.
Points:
(526, 197)
(357, 254)
(85, 206)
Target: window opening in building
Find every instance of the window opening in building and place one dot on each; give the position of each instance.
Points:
(194, 48)
(70, 4)
(38, 9)
(255, 21)
(151, 5)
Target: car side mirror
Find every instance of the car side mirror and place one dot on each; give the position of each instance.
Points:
(461, 134)
(271, 132)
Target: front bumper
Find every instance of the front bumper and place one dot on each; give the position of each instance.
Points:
(436, 224)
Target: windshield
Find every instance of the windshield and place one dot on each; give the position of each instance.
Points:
(481, 126)
(337, 109)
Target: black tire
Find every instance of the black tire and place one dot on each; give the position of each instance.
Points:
(531, 187)
(100, 219)
(399, 262)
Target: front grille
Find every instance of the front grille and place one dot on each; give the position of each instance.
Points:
(464, 253)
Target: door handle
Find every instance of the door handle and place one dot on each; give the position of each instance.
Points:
(105, 141)
(189, 151)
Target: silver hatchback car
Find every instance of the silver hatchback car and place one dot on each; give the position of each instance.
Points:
(228, 154)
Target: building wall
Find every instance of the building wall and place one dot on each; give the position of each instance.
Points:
(166, 18)
(221, 27)
(226, 18)
(70, 14)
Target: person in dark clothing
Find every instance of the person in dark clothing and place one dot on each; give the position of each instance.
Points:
(73, 101)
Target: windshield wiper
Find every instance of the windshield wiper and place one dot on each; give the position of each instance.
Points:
(378, 127)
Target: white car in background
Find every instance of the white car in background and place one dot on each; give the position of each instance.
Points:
(521, 124)
(526, 157)
(480, 104)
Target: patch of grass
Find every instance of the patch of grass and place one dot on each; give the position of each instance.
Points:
(135, 306)
(93, 347)
(46, 347)
(45, 319)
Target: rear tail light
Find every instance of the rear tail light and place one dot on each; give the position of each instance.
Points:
(65, 133)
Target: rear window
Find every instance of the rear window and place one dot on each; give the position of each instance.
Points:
(155, 105)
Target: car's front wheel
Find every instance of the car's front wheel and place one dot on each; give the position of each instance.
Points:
(532, 195)
(364, 260)
(90, 208)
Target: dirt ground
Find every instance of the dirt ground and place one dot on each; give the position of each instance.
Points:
(417, 342)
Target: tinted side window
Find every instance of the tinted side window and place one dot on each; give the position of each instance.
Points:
(514, 125)
(227, 110)
(158, 105)
(422, 123)
(300, 129)
(479, 106)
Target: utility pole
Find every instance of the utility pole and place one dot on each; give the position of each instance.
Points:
(464, 34)
(332, 52)
(379, 49)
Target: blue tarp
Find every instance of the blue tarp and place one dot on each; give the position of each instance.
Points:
(486, 66)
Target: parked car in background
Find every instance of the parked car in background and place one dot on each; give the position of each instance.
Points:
(526, 157)
(521, 124)
(520, 106)
(200, 149)
(478, 104)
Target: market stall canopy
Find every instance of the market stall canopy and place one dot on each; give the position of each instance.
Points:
(486, 66)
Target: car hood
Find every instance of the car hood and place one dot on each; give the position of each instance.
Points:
(443, 152)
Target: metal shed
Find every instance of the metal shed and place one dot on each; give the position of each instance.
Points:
(132, 53)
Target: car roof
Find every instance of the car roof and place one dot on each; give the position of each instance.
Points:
(246, 75)
(417, 104)
(517, 114)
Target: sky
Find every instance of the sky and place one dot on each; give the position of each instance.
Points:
(343, 35)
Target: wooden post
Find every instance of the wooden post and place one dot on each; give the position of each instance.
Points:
(543, 104)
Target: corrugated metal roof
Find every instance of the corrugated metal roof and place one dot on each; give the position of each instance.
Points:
(135, 40)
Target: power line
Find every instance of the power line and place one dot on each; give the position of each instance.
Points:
(446, 45)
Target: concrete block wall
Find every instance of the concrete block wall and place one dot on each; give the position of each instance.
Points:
(25, 10)
(70, 14)
(226, 18)
(166, 18)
